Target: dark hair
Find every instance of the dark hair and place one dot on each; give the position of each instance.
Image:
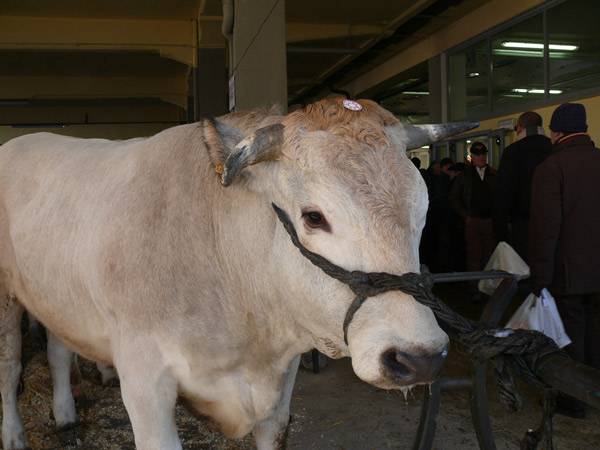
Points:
(530, 119)
(457, 167)
(416, 161)
(445, 161)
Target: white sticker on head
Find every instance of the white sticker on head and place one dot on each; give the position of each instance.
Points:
(352, 105)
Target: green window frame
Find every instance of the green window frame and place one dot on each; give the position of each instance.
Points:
(549, 55)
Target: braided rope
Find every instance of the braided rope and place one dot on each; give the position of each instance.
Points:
(512, 352)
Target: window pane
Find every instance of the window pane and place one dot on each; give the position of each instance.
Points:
(575, 65)
(468, 73)
(517, 59)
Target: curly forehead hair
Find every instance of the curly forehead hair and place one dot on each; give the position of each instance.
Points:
(331, 115)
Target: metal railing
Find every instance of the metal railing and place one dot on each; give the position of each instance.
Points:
(562, 373)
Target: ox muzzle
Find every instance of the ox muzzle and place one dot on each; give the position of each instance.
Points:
(399, 366)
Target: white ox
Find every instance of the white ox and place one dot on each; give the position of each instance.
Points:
(193, 290)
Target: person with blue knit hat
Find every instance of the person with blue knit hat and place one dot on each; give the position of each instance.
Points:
(564, 243)
(569, 118)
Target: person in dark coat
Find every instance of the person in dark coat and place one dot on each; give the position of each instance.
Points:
(513, 182)
(417, 162)
(471, 197)
(441, 186)
(444, 219)
(456, 169)
(426, 246)
(564, 243)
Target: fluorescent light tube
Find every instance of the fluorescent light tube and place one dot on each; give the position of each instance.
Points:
(535, 45)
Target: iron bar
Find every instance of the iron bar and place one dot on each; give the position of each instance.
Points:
(468, 276)
(571, 377)
(329, 50)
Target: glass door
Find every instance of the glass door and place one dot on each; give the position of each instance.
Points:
(440, 150)
(495, 147)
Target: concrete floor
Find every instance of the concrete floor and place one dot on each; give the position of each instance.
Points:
(336, 410)
(330, 410)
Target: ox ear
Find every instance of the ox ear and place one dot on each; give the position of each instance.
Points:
(417, 136)
(220, 138)
(262, 145)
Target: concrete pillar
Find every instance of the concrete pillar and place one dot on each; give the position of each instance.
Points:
(258, 63)
(212, 81)
(458, 86)
(435, 89)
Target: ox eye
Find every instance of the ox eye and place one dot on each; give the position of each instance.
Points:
(314, 219)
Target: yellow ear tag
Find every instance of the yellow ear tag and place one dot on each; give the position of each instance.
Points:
(219, 168)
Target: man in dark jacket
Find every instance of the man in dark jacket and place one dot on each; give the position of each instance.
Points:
(564, 244)
(513, 182)
(471, 197)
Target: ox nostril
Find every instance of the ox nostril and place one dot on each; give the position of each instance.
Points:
(395, 363)
(405, 369)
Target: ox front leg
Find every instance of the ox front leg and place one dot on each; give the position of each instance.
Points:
(13, 434)
(149, 393)
(63, 406)
(271, 433)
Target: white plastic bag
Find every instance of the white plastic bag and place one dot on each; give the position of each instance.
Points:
(507, 259)
(540, 313)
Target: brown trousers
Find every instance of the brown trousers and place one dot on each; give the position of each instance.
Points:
(580, 315)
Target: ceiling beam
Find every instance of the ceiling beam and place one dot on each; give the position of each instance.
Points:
(298, 32)
(409, 13)
(92, 113)
(172, 39)
(389, 29)
(211, 37)
(169, 89)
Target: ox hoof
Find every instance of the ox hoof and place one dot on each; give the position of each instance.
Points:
(282, 439)
(68, 426)
(18, 443)
(64, 425)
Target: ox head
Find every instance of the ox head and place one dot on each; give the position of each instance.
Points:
(343, 178)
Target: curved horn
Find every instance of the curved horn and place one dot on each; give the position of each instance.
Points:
(421, 135)
(262, 145)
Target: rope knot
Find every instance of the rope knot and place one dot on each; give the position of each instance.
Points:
(360, 283)
(427, 278)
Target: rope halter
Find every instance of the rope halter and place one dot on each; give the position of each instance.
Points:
(362, 284)
(512, 352)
